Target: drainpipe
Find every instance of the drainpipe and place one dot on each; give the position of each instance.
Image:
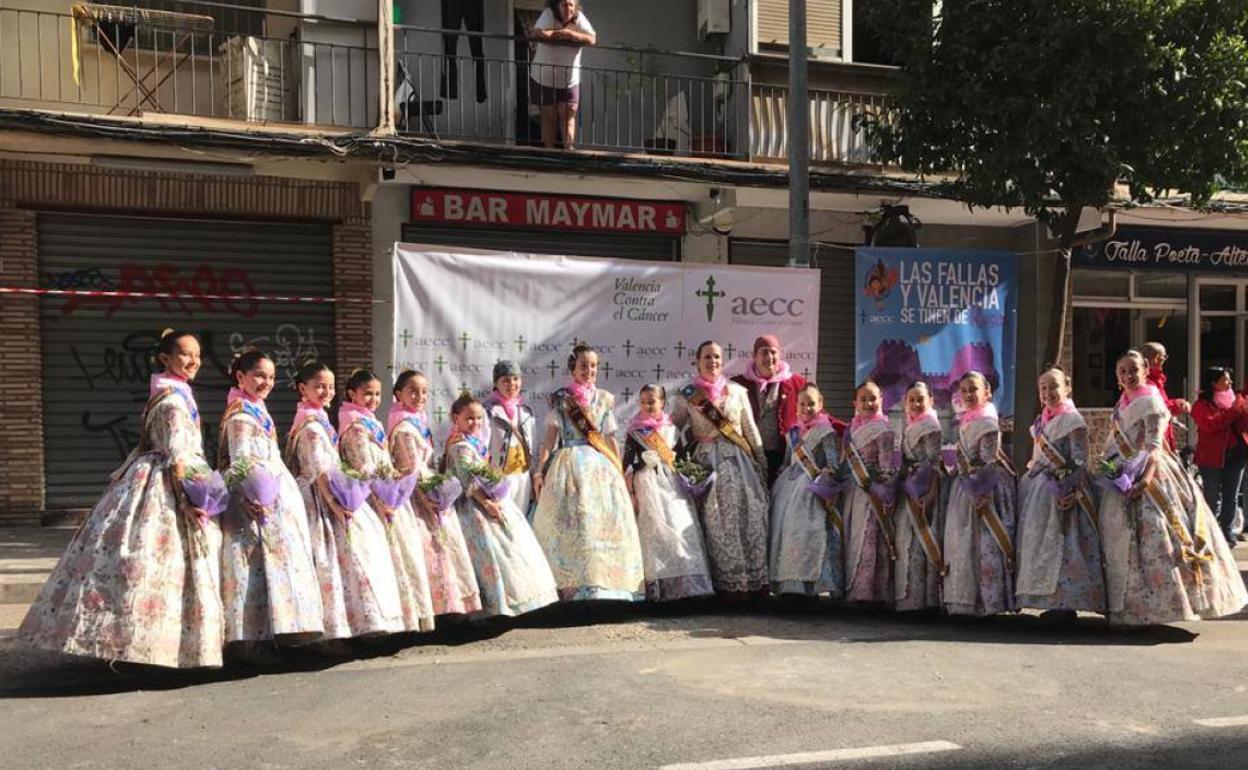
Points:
(798, 139)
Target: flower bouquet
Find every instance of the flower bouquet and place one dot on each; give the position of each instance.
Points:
(491, 482)
(1064, 481)
(694, 478)
(255, 483)
(979, 478)
(883, 487)
(1119, 475)
(349, 487)
(205, 490)
(392, 489)
(830, 482)
(918, 480)
(442, 490)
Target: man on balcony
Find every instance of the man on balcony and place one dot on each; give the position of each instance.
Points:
(561, 32)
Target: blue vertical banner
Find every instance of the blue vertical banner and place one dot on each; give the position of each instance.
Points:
(933, 315)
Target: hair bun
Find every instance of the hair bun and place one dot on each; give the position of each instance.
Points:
(166, 332)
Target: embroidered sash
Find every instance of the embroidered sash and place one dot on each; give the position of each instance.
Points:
(983, 508)
(653, 439)
(573, 411)
(516, 458)
(858, 467)
(292, 439)
(812, 472)
(698, 399)
(1056, 459)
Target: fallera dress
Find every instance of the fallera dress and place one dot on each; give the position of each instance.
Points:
(452, 582)
(672, 549)
(920, 527)
(140, 581)
(362, 444)
(980, 528)
(1059, 551)
(1165, 556)
(734, 511)
(512, 449)
(870, 445)
(584, 518)
(269, 586)
(807, 533)
(511, 569)
(359, 592)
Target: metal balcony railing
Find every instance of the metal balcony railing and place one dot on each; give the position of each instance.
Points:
(481, 87)
(205, 59)
(834, 133)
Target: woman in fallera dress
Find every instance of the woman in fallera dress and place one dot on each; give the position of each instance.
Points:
(870, 500)
(584, 518)
(724, 438)
(1059, 545)
(359, 594)
(511, 569)
(512, 430)
(807, 523)
(980, 518)
(140, 580)
(1165, 556)
(452, 583)
(921, 495)
(362, 444)
(667, 517)
(269, 586)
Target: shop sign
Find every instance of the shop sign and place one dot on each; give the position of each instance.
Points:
(485, 208)
(1154, 249)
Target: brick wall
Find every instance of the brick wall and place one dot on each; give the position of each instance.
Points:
(21, 407)
(28, 186)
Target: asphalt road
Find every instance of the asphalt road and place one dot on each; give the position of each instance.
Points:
(699, 687)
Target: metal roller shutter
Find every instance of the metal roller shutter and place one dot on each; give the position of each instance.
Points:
(657, 248)
(835, 375)
(98, 353)
(823, 24)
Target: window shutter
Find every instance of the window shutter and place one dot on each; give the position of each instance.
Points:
(823, 25)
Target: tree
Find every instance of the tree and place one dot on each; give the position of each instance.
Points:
(1044, 105)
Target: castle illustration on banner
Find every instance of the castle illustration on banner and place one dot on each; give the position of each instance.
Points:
(897, 366)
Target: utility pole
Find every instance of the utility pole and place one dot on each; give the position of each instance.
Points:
(799, 139)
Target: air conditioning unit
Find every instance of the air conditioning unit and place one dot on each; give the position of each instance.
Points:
(714, 18)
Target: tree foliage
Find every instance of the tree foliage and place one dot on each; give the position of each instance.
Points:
(1044, 104)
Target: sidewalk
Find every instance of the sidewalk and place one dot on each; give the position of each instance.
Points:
(27, 556)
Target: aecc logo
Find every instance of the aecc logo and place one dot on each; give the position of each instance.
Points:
(749, 306)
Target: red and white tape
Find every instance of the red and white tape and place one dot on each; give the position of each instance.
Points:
(107, 294)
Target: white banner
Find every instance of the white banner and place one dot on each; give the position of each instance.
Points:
(458, 311)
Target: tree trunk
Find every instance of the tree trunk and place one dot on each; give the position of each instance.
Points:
(1068, 223)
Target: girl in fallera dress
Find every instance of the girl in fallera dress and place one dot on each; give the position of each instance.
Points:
(667, 517)
(511, 569)
(807, 524)
(139, 581)
(921, 495)
(1059, 545)
(452, 582)
(980, 519)
(1165, 556)
(584, 518)
(363, 446)
(870, 501)
(511, 429)
(726, 440)
(269, 586)
(359, 594)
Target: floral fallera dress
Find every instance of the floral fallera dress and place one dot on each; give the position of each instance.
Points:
(452, 582)
(510, 566)
(672, 550)
(1059, 552)
(512, 450)
(363, 446)
(269, 586)
(807, 548)
(980, 580)
(584, 518)
(734, 512)
(916, 579)
(359, 592)
(139, 582)
(1148, 577)
(868, 564)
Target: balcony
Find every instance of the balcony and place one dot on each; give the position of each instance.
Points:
(200, 61)
(190, 59)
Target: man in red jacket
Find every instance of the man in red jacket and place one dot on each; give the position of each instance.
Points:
(1155, 356)
(773, 389)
